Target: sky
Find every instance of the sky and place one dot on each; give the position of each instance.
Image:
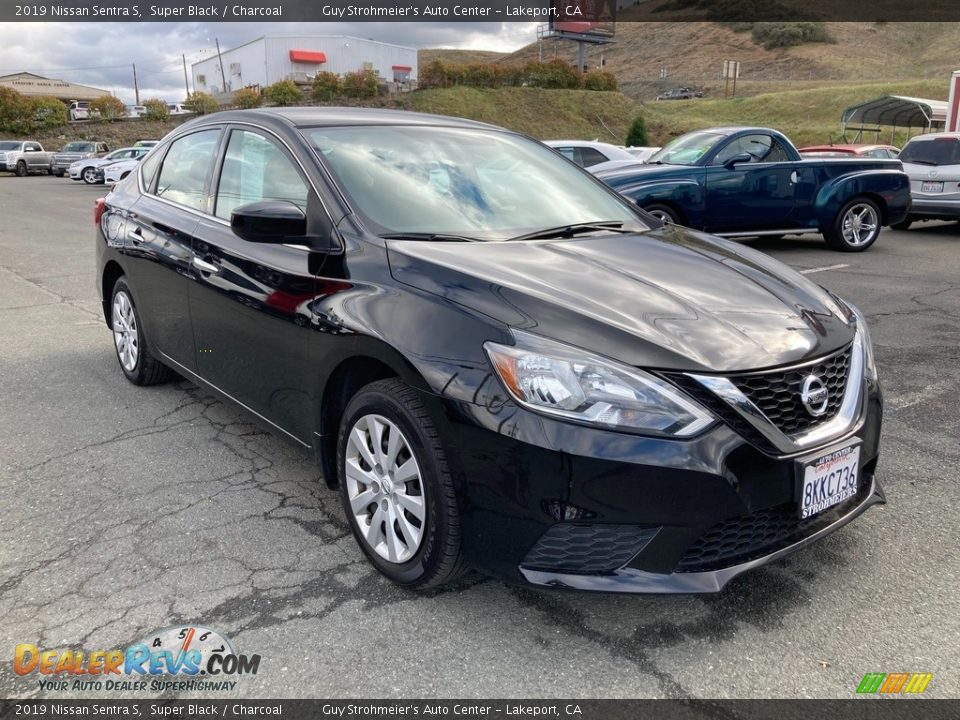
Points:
(102, 55)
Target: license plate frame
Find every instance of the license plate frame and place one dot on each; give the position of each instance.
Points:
(837, 468)
(931, 186)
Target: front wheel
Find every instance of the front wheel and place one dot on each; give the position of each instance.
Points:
(396, 487)
(21, 169)
(89, 176)
(856, 226)
(133, 353)
(58, 173)
(664, 213)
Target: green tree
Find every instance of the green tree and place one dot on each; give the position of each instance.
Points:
(48, 112)
(326, 86)
(361, 84)
(156, 109)
(283, 92)
(201, 103)
(16, 113)
(108, 108)
(247, 98)
(637, 135)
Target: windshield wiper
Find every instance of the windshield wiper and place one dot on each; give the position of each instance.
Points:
(568, 231)
(429, 236)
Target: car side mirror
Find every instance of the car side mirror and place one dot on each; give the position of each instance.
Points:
(270, 221)
(743, 157)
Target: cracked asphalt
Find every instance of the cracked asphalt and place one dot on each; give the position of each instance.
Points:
(126, 510)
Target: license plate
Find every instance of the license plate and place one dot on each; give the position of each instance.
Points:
(931, 187)
(829, 480)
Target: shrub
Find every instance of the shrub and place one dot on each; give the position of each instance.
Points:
(435, 74)
(283, 92)
(637, 135)
(48, 112)
(155, 109)
(555, 74)
(16, 112)
(326, 86)
(600, 80)
(247, 98)
(108, 108)
(201, 103)
(774, 35)
(361, 84)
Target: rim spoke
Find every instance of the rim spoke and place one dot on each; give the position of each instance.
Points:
(395, 546)
(407, 472)
(394, 443)
(376, 429)
(373, 531)
(412, 503)
(411, 533)
(357, 474)
(360, 502)
(359, 438)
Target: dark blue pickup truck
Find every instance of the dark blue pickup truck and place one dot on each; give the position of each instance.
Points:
(747, 181)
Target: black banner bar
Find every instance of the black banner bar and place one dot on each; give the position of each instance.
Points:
(855, 709)
(584, 11)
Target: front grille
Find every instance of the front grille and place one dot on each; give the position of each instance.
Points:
(748, 537)
(587, 549)
(777, 394)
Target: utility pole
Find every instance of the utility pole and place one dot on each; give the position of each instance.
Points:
(186, 81)
(220, 63)
(136, 88)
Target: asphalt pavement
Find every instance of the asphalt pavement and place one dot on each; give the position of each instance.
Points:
(126, 510)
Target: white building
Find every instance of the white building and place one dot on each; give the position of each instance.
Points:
(271, 58)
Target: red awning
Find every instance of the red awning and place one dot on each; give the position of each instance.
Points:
(403, 68)
(307, 56)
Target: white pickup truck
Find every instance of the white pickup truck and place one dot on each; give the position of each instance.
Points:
(24, 157)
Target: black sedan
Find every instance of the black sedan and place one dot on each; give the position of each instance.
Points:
(499, 362)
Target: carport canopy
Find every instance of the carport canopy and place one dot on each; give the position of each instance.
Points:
(898, 111)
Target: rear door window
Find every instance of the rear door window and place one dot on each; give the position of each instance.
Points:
(590, 157)
(186, 168)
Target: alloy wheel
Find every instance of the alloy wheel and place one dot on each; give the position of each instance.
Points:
(860, 224)
(125, 333)
(90, 176)
(385, 488)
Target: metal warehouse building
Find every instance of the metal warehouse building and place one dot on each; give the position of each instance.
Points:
(33, 85)
(271, 58)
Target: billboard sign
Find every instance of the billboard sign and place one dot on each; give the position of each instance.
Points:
(583, 19)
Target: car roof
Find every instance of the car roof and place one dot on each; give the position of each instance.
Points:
(935, 136)
(301, 117)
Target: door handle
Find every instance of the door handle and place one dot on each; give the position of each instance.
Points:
(204, 266)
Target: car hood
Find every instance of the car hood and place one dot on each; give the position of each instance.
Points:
(670, 298)
(73, 155)
(93, 162)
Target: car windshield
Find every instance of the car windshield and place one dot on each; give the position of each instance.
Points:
(937, 151)
(117, 154)
(686, 149)
(479, 184)
(79, 147)
(9, 145)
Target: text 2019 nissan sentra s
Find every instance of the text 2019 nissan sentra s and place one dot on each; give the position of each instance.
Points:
(500, 362)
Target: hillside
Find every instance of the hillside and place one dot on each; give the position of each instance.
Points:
(426, 55)
(693, 54)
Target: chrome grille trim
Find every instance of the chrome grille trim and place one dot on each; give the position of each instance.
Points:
(844, 422)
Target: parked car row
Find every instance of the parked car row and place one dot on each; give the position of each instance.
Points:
(80, 110)
(89, 161)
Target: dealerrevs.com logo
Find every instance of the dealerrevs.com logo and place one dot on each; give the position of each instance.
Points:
(902, 683)
(174, 659)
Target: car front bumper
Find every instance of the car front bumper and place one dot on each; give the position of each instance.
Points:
(557, 505)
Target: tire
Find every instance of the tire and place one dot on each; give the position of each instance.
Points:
(663, 212)
(21, 169)
(133, 352)
(856, 227)
(58, 173)
(903, 224)
(414, 551)
(89, 175)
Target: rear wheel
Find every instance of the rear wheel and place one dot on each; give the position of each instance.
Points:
(856, 226)
(396, 487)
(133, 353)
(21, 169)
(665, 213)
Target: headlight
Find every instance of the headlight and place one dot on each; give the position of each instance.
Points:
(564, 381)
(869, 361)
